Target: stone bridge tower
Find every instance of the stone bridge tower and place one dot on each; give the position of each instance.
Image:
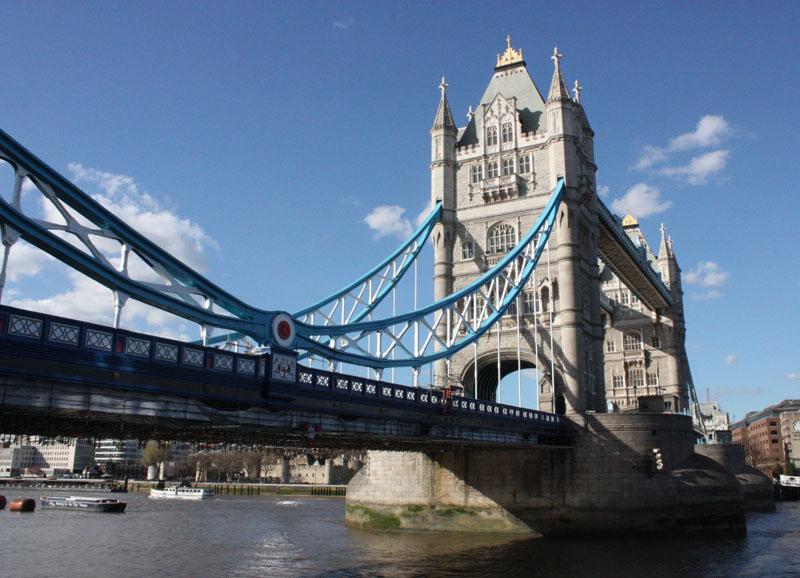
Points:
(494, 177)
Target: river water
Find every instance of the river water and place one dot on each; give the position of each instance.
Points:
(306, 536)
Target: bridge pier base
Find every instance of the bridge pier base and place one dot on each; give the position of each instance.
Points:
(608, 481)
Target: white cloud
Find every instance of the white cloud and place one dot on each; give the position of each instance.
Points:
(642, 200)
(707, 274)
(180, 237)
(699, 168)
(25, 260)
(651, 156)
(792, 376)
(344, 24)
(712, 294)
(710, 131)
(731, 359)
(603, 191)
(388, 220)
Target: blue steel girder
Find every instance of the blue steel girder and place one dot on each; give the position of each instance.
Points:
(80, 242)
(443, 328)
(360, 298)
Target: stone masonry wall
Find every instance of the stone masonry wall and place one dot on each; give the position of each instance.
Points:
(606, 482)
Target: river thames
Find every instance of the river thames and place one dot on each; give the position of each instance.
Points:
(306, 536)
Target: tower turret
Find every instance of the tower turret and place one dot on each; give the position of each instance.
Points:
(443, 190)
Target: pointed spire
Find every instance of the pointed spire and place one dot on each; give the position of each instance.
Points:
(444, 118)
(558, 88)
(663, 251)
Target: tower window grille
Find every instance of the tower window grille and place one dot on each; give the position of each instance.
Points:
(529, 303)
(501, 239)
(633, 341)
(491, 136)
(508, 134)
(636, 377)
(467, 249)
(476, 173)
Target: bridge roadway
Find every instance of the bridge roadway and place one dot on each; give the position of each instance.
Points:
(61, 377)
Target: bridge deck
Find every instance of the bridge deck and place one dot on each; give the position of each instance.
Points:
(65, 377)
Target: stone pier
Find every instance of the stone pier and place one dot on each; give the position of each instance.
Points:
(607, 481)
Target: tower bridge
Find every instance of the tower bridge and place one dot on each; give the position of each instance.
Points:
(530, 270)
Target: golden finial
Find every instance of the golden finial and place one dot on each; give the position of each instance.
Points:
(630, 220)
(510, 56)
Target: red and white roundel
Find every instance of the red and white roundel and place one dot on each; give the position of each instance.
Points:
(283, 332)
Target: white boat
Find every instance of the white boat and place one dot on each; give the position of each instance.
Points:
(88, 503)
(182, 493)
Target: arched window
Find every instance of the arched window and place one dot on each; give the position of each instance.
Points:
(633, 341)
(508, 166)
(501, 239)
(530, 303)
(491, 136)
(491, 170)
(508, 135)
(476, 173)
(467, 249)
(524, 164)
(635, 377)
(544, 300)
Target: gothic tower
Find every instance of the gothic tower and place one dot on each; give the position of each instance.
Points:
(494, 177)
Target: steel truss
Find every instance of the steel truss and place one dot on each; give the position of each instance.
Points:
(439, 330)
(88, 235)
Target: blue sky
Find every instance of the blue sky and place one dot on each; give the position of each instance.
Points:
(254, 139)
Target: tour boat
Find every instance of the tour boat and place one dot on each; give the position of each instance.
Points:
(182, 493)
(788, 488)
(89, 504)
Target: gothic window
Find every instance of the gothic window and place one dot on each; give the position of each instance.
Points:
(507, 133)
(625, 297)
(491, 170)
(501, 239)
(529, 305)
(652, 378)
(619, 381)
(508, 166)
(524, 164)
(544, 300)
(512, 309)
(491, 136)
(655, 341)
(467, 249)
(633, 341)
(636, 377)
(476, 173)
(610, 346)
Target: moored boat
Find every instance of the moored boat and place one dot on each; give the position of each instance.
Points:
(22, 505)
(788, 488)
(84, 503)
(182, 493)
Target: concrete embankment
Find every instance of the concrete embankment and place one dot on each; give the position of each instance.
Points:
(623, 473)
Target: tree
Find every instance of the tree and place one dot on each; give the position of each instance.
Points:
(154, 453)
